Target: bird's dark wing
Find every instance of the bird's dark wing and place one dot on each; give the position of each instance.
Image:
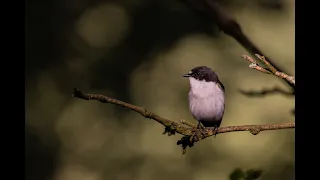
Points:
(221, 86)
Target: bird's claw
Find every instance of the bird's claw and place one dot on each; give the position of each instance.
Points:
(202, 129)
(215, 129)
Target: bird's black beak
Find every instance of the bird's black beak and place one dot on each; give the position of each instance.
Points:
(186, 75)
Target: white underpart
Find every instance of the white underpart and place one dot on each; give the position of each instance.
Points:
(206, 100)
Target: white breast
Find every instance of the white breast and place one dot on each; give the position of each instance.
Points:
(206, 100)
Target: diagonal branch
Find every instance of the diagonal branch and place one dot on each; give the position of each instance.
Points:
(188, 129)
(229, 26)
(270, 68)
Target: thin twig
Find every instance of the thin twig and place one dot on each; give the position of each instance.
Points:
(254, 64)
(264, 60)
(191, 134)
(267, 91)
(185, 122)
(275, 72)
(269, 70)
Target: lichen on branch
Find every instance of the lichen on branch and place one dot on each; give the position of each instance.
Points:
(189, 131)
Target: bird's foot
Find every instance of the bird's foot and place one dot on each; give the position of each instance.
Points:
(202, 129)
(215, 129)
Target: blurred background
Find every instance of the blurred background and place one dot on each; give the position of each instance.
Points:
(136, 51)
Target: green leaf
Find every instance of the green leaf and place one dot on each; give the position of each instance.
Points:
(253, 174)
(237, 174)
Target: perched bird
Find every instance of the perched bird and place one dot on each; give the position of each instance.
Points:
(206, 97)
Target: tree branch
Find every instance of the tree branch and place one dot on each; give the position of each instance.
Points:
(188, 129)
(270, 68)
(267, 91)
(229, 26)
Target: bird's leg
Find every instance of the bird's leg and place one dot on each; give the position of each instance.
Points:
(200, 125)
(201, 128)
(215, 128)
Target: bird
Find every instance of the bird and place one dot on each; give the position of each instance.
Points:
(206, 97)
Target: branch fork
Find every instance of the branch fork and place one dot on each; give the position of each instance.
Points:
(270, 68)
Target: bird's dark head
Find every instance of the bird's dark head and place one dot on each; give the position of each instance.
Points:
(203, 73)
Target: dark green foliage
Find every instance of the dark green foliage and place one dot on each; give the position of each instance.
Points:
(250, 174)
(237, 174)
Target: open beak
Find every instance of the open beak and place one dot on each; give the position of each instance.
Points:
(186, 75)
